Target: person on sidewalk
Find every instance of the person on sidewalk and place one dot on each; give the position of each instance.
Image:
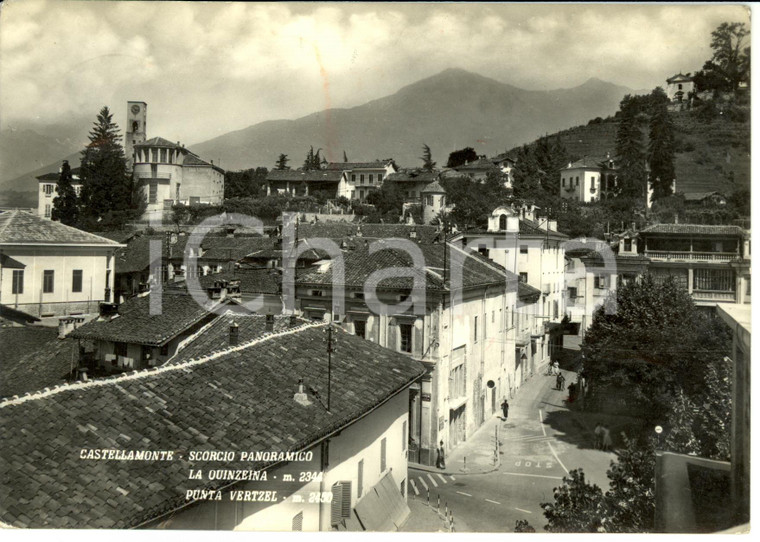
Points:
(555, 366)
(505, 409)
(441, 461)
(598, 436)
(561, 378)
(606, 438)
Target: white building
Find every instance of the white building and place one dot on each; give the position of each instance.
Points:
(49, 269)
(679, 87)
(361, 178)
(46, 190)
(588, 179)
(464, 338)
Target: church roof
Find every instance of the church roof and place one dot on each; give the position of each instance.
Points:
(680, 78)
(159, 142)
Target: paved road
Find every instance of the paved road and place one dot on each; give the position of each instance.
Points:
(540, 443)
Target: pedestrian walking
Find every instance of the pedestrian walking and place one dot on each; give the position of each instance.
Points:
(561, 381)
(598, 436)
(555, 365)
(441, 464)
(606, 439)
(505, 409)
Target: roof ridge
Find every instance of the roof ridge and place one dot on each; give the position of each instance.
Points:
(138, 374)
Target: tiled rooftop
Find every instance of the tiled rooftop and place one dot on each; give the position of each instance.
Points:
(237, 400)
(343, 166)
(33, 358)
(297, 175)
(23, 227)
(255, 281)
(135, 324)
(413, 175)
(360, 265)
(694, 229)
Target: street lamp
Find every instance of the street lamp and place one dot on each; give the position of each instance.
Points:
(658, 430)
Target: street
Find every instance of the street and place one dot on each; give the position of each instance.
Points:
(539, 443)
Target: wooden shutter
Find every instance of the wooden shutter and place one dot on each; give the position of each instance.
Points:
(341, 503)
(298, 522)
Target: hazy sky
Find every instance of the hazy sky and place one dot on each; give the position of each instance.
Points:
(206, 69)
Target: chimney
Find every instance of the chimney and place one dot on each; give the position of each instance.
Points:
(270, 323)
(300, 396)
(552, 225)
(543, 223)
(68, 324)
(234, 334)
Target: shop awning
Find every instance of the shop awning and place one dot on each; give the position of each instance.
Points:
(383, 508)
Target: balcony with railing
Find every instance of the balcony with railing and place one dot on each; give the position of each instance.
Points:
(688, 256)
(714, 296)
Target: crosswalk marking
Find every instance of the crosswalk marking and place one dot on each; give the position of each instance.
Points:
(422, 481)
(454, 479)
(489, 500)
(463, 493)
(521, 510)
(414, 487)
(442, 479)
(432, 480)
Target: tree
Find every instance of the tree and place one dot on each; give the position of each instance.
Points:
(661, 146)
(731, 58)
(110, 196)
(282, 162)
(630, 352)
(629, 148)
(473, 201)
(427, 159)
(66, 203)
(627, 507)
(461, 157)
(388, 200)
(245, 183)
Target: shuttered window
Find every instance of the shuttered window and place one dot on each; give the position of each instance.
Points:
(360, 480)
(341, 503)
(298, 522)
(405, 331)
(383, 446)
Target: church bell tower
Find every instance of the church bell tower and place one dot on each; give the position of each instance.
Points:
(137, 116)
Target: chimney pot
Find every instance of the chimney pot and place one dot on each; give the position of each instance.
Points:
(234, 334)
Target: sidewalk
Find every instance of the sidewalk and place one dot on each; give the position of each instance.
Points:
(474, 456)
(428, 519)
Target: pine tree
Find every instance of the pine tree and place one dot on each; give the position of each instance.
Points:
(108, 191)
(629, 147)
(66, 203)
(661, 143)
(282, 162)
(308, 163)
(427, 158)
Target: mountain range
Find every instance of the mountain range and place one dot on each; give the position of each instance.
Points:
(448, 111)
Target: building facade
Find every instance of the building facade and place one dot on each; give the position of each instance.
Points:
(359, 179)
(588, 180)
(679, 87)
(48, 269)
(46, 191)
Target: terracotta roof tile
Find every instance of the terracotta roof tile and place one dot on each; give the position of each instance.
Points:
(28, 228)
(694, 229)
(297, 175)
(249, 407)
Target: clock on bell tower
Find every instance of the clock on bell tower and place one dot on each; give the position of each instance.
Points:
(137, 117)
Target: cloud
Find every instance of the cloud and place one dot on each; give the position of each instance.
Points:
(208, 68)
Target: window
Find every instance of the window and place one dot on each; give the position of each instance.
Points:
(360, 328)
(358, 295)
(18, 281)
(317, 293)
(572, 292)
(429, 200)
(379, 177)
(627, 244)
(177, 192)
(353, 178)
(153, 193)
(47, 211)
(577, 181)
(360, 479)
(297, 522)
(404, 437)
(361, 179)
(493, 316)
(599, 282)
(371, 178)
(405, 332)
(48, 279)
(120, 349)
(720, 280)
(523, 249)
(383, 449)
(475, 327)
(76, 280)
(341, 503)
(524, 277)
(48, 188)
(163, 156)
(563, 182)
